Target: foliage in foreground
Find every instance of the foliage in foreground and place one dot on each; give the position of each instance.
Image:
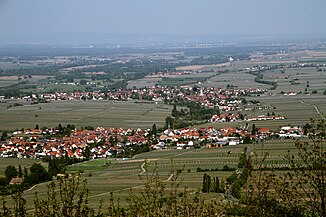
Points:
(69, 197)
(300, 191)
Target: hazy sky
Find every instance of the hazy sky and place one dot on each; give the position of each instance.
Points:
(222, 17)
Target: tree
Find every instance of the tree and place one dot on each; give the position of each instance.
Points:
(247, 140)
(20, 172)
(175, 112)
(60, 128)
(87, 152)
(216, 185)
(38, 174)
(56, 166)
(254, 129)
(207, 182)
(3, 181)
(169, 121)
(4, 136)
(242, 158)
(10, 172)
(25, 172)
(83, 82)
(154, 129)
(307, 85)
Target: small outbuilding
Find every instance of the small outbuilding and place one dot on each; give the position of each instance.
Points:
(16, 181)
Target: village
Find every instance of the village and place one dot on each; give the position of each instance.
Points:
(103, 143)
(224, 99)
(85, 144)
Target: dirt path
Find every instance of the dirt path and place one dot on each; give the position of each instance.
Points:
(132, 187)
(97, 113)
(169, 179)
(179, 154)
(143, 169)
(316, 108)
(137, 186)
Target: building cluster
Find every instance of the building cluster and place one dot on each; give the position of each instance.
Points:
(266, 117)
(103, 143)
(37, 143)
(225, 118)
(222, 98)
(238, 117)
(210, 136)
(291, 132)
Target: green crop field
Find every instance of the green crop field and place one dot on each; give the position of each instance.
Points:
(298, 110)
(171, 80)
(296, 80)
(89, 113)
(5, 83)
(241, 80)
(144, 82)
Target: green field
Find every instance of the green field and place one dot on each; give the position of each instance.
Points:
(300, 76)
(5, 83)
(240, 80)
(83, 113)
(298, 111)
(172, 80)
(144, 82)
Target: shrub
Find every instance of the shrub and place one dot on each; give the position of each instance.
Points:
(227, 168)
(232, 178)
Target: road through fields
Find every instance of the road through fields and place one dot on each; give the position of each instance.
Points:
(316, 108)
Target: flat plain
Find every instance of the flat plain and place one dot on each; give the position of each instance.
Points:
(119, 176)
